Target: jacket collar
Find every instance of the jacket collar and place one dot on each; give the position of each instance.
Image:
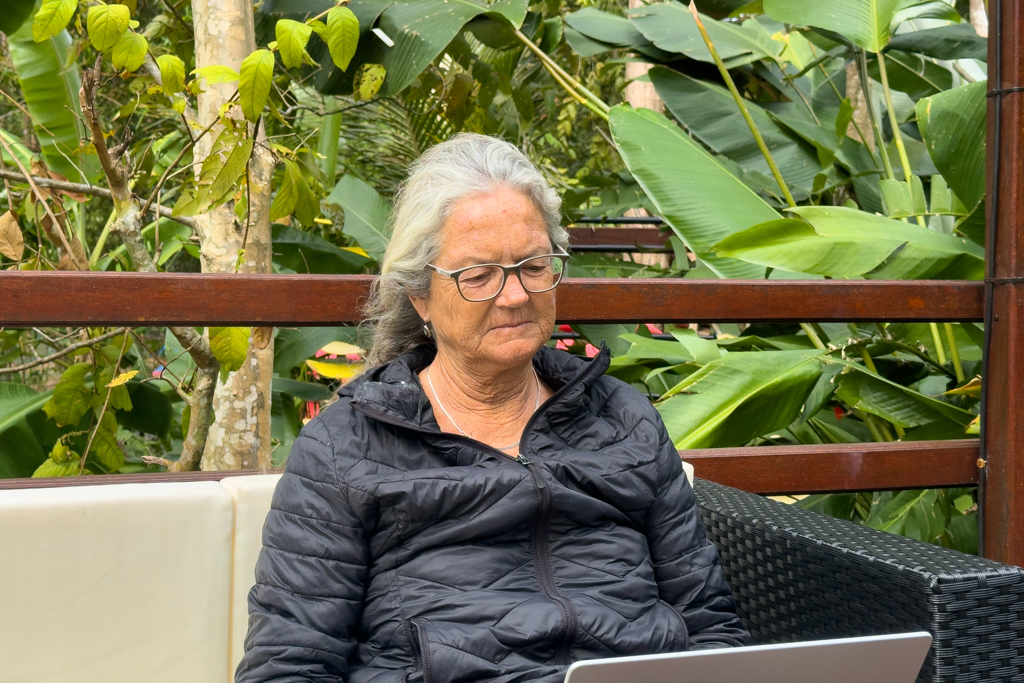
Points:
(392, 392)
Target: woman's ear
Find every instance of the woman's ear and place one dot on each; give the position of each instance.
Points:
(421, 306)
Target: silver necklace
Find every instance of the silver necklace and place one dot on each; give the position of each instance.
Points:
(444, 410)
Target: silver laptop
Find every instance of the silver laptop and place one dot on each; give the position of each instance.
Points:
(878, 659)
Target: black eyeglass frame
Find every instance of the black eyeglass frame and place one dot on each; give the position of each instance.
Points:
(505, 271)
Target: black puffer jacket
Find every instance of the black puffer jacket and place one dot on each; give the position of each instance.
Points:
(396, 552)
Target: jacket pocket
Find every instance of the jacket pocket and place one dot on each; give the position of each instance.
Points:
(420, 648)
(685, 636)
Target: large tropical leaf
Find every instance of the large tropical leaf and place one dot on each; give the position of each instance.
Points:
(739, 397)
(868, 23)
(952, 124)
(13, 14)
(699, 198)
(20, 451)
(841, 242)
(710, 114)
(49, 82)
(956, 41)
(864, 390)
(916, 514)
(671, 27)
(912, 74)
(366, 214)
(304, 252)
(592, 32)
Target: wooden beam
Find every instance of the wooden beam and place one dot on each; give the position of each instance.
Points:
(766, 470)
(1003, 421)
(37, 298)
(840, 467)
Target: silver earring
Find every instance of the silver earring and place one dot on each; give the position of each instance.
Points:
(427, 332)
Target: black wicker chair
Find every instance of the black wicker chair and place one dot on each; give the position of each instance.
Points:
(800, 575)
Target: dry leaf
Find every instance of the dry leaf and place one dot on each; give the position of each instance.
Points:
(972, 388)
(122, 379)
(12, 243)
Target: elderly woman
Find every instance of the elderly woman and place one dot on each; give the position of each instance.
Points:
(478, 506)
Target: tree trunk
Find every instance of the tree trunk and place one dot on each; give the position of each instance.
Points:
(240, 435)
(641, 94)
(979, 17)
(861, 122)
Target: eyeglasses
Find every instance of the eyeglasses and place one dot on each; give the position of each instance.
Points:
(485, 281)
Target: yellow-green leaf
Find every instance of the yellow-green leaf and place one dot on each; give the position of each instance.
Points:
(12, 242)
(216, 74)
(61, 453)
(222, 170)
(121, 379)
(341, 349)
(71, 396)
(255, 79)
(104, 444)
(172, 73)
(368, 81)
(106, 24)
(292, 38)
(52, 18)
(229, 345)
(341, 371)
(342, 35)
(50, 468)
(130, 51)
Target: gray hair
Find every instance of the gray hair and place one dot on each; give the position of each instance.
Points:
(464, 165)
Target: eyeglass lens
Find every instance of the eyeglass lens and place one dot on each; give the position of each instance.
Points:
(485, 282)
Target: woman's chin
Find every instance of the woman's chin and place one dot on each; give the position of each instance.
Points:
(507, 349)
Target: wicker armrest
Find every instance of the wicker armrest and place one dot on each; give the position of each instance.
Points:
(800, 575)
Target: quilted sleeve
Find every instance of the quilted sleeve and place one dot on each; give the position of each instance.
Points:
(305, 607)
(685, 562)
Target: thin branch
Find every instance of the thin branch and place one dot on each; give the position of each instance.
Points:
(167, 172)
(103, 410)
(46, 206)
(63, 352)
(91, 190)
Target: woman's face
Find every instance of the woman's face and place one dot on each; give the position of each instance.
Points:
(502, 226)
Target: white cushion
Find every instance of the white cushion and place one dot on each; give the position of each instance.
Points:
(109, 584)
(252, 495)
(688, 469)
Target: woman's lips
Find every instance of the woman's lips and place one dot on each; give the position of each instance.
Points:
(511, 326)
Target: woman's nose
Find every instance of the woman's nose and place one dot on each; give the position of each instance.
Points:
(513, 293)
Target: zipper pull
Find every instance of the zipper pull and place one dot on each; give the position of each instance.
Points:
(538, 478)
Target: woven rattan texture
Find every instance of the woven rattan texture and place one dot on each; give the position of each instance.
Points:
(800, 575)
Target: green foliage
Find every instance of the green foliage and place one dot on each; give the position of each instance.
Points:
(221, 172)
(129, 52)
(229, 345)
(172, 73)
(106, 24)
(254, 82)
(70, 399)
(342, 35)
(13, 14)
(51, 18)
(366, 214)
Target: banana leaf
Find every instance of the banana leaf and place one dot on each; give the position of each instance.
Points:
(48, 77)
(710, 114)
(304, 252)
(956, 41)
(13, 14)
(739, 397)
(602, 31)
(697, 196)
(864, 390)
(20, 450)
(952, 124)
(840, 242)
(671, 27)
(865, 22)
(912, 74)
(366, 214)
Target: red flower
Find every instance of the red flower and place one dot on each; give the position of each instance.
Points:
(592, 350)
(565, 328)
(838, 412)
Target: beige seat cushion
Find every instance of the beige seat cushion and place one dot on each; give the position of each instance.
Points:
(109, 584)
(252, 495)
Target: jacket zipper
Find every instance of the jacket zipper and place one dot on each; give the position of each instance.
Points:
(539, 537)
(420, 648)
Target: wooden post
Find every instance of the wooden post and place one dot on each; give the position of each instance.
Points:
(1003, 421)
